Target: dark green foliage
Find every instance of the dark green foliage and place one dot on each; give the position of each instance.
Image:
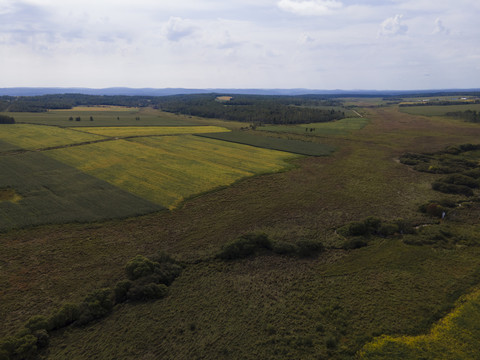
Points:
(66, 315)
(308, 248)
(4, 119)
(284, 248)
(19, 347)
(354, 243)
(96, 305)
(388, 229)
(138, 267)
(372, 224)
(37, 322)
(245, 245)
(405, 226)
(42, 338)
(148, 291)
(357, 228)
(452, 188)
(473, 173)
(467, 115)
(121, 290)
(433, 209)
(459, 179)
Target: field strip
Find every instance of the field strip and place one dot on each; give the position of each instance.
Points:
(129, 131)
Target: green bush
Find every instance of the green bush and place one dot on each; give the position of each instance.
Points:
(19, 347)
(388, 229)
(37, 322)
(372, 224)
(245, 245)
(68, 314)
(308, 247)
(452, 188)
(42, 338)
(405, 226)
(459, 179)
(355, 243)
(357, 228)
(147, 292)
(284, 248)
(95, 306)
(121, 290)
(138, 267)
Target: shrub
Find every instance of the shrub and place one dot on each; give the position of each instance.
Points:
(147, 292)
(405, 226)
(165, 273)
(138, 267)
(452, 188)
(37, 322)
(474, 173)
(459, 179)
(372, 224)
(245, 245)
(121, 290)
(355, 243)
(284, 248)
(357, 228)
(95, 306)
(308, 247)
(388, 229)
(42, 338)
(67, 314)
(19, 347)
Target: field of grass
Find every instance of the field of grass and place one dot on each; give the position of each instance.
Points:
(30, 137)
(339, 127)
(166, 170)
(110, 116)
(434, 110)
(47, 191)
(269, 306)
(288, 145)
(151, 130)
(454, 337)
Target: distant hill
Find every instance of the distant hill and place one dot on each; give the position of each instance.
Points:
(36, 91)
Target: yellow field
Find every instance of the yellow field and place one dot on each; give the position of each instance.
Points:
(457, 336)
(30, 137)
(167, 169)
(151, 130)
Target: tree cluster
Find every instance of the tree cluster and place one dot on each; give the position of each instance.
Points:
(467, 115)
(4, 119)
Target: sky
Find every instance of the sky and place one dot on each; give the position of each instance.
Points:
(313, 44)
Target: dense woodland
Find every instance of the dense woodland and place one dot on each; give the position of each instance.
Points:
(468, 115)
(245, 108)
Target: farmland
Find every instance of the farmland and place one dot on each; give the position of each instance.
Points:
(127, 131)
(342, 302)
(438, 110)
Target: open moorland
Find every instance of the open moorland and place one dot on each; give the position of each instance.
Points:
(136, 241)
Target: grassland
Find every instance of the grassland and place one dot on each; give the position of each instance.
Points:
(151, 130)
(271, 306)
(288, 145)
(166, 170)
(30, 137)
(454, 337)
(437, 110)
(47, 191)
(107, 116)
(339, 127)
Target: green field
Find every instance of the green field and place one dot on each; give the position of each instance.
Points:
(105, 117)
(166, 170)
(339, 127)
(288, 145)
(52, 192)
(31, 137)
(437, 110)
(385, 300)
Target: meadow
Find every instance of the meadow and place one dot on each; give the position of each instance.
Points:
(301, 147)
(127, 131)
(269, 305)
(339, 127)
(437, 110)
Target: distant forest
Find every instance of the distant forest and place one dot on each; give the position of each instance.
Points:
(245, 108)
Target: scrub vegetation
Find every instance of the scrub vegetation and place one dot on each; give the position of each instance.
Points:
(351, 255)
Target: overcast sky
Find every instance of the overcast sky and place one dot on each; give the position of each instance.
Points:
(316, 44)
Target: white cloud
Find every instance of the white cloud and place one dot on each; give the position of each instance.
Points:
(440, 28)
(393, 26)
(177, 28)
(309, 7)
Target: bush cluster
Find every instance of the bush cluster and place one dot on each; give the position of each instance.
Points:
(447, 188)
(437, 208)
(255, 243)
(148, 279)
